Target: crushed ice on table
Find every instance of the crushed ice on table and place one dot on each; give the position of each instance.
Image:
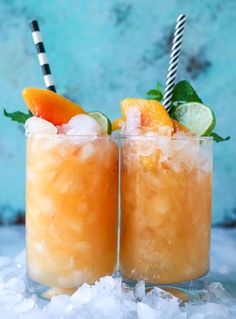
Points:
(36, 125)
(139, 290)
(108, 298)
(81, 124)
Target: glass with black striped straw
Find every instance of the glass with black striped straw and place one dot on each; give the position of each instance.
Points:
(174, 60)
(42, 56)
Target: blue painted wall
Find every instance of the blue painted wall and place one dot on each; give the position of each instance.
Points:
(103, 51)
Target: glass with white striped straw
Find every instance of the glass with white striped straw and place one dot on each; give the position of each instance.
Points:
(166, 203)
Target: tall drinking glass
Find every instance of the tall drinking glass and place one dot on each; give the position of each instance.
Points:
(71, 209)
(166, 194)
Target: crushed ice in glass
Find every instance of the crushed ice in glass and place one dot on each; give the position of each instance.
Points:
(36, 125)
(108, 298)
(81, 124)
(133, 122)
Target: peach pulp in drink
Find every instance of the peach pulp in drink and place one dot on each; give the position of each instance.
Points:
(166, 191)
(71, 209)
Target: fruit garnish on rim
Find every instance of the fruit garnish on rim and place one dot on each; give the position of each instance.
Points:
(187, 109)
(50, 106)
(117, 124)
(187, 114)
(146, 115)
(103, 121)
(48, 109)
(199, 118)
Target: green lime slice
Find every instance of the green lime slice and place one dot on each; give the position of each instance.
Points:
(198, 118)
(103, 121)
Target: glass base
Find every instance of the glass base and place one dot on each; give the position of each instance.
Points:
(46, 292)
(188, 291)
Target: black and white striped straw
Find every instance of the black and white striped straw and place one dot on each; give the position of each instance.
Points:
(42, 56)
(174, 60)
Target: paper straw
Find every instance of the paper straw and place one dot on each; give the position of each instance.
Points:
(42, 56)
(174, 60)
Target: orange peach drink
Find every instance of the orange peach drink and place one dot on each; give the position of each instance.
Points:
(71, 208)
(165, 201)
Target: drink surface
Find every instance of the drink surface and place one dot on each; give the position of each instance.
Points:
(71, 209)
(165, 209)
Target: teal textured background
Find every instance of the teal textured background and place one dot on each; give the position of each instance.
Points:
(103, 51)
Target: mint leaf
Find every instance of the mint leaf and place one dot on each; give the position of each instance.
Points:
(184, 92)
(18, 116)
(155, 94)
(217, 138)
(152, 92)
(158, 87)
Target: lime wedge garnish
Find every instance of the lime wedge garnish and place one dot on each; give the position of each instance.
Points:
(103, 121)
(198, 118)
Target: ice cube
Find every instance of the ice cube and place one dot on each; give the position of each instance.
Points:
(164, 144)
(158, 293)
(57, 305)
(82, 296)
(128, 305)
(144, 147)
(163, 302)
(133, 122)
(145, 312)
(8, 300)
(208, 310)
(34, 313)
(109, 285)
(15, 284)
(81, 124)
(218, 293)
(24, 306)
(185, 152)
(108, 306)
(139, 290)
(87, 150)
(36, 125)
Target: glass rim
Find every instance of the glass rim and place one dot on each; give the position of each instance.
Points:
(174, 138)
(121, 137)
(64, 136)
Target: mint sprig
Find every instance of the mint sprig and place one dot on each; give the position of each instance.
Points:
(183, 92)
(155, 94)
(217, 138)
(18, 116)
